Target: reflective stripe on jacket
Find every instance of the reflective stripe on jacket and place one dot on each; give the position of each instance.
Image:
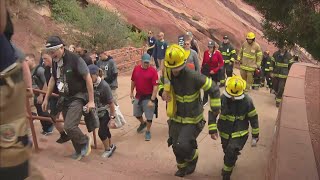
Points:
(250, 56)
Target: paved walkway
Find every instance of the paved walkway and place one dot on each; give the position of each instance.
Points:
(138, 159)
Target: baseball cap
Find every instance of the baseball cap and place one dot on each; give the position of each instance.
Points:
(93, 69)
(53, 43)
(225, 37)
(211, 43)
(146, 57)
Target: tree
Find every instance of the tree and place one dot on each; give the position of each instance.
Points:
(294, 21)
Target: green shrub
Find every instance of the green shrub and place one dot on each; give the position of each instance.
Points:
(39, 2)
(99, 27)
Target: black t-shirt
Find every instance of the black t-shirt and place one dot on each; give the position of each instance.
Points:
(7, 55)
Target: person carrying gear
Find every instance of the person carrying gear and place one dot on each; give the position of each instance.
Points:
(211, 64)
(102, 98)
(280, 64)
(265, 67)
(250, 56)
(257, 78)
(186, 120)
(237, 111)
(228, 55)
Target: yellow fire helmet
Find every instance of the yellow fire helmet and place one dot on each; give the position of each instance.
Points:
(175, 56)
(235, 87)
(251, 35)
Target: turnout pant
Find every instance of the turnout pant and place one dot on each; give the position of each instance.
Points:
(183, 138)
(248, 77)
(231, 148)
(278, 87)
(72, 113)
(227, 69)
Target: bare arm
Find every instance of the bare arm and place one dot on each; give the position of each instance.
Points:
(3, 16)
(112, 109)
(89, 84)
(50, 87)
(133, 85)
(27, 77)
(154, 92)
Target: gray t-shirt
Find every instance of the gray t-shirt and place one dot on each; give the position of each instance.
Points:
(38, 77)
(193, 58)
(109, 69)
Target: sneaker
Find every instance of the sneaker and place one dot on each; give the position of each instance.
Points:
(76, 156)
(108, 153)
(141, 127)
(63, 138)
(48, 131)
(86, 150)
(147, 136)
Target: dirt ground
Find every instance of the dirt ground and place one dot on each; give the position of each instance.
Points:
(313, 109)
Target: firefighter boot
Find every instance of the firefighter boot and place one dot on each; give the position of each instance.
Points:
(192, 166)
(181, 172)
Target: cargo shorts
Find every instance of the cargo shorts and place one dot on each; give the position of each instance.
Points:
(139, 109)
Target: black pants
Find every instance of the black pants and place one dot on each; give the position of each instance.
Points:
(104, 131)
(72, 113)
(231, 148)
(227, 69)
(215, 78)
(19, 172)
(266, 77)
(278, 87)
(46, 125)
(183, 138)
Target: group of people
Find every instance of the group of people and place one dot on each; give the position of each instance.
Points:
(86, 84)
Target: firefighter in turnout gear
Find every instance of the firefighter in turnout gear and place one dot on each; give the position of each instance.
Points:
(281, 61)
(237, 111)
(229, 55)
(265, 67)
(181, 90)
(250, 56)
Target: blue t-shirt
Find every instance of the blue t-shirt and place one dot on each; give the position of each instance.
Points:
(159, 50)
(151, 41)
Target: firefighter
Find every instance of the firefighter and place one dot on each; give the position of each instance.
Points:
(237, 111)
(250, 56)
(229, 55)
(265, 67)
(184, 108)
(281, 61)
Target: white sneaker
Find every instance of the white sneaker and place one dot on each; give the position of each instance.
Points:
(108, 153)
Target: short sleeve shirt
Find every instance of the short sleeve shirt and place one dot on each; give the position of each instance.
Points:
(145, 80)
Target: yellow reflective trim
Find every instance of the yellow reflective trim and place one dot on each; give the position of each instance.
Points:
(188, 120)
(231, 118)
(252, 113)
(207, 85)
(227, 168)
(280, 76)
(259, 53)
(247, 55)
(255, 130)
(284, 65)
(222, 81)
(226, 61)
(278, 100)
(247, 68)
(187, 98)
(212, 127)
(239, 133)
(271, 68)
(224, 135)
(268, 62)
(233, 52)
(196, 154)
(215, 102)
(266, 69)
(182, 165)
(232, 59)
(272, 59)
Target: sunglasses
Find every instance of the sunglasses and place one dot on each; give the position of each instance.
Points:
(186, 43)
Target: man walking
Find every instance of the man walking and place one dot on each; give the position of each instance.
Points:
(159, 51)
(237, 112)
(265, 68)
(228, 55)
(39, 82)
(185, 109)
(250, 56)
(145, 80)
(71, 76)
(109, 73)
(151, 43)
(281, 61)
